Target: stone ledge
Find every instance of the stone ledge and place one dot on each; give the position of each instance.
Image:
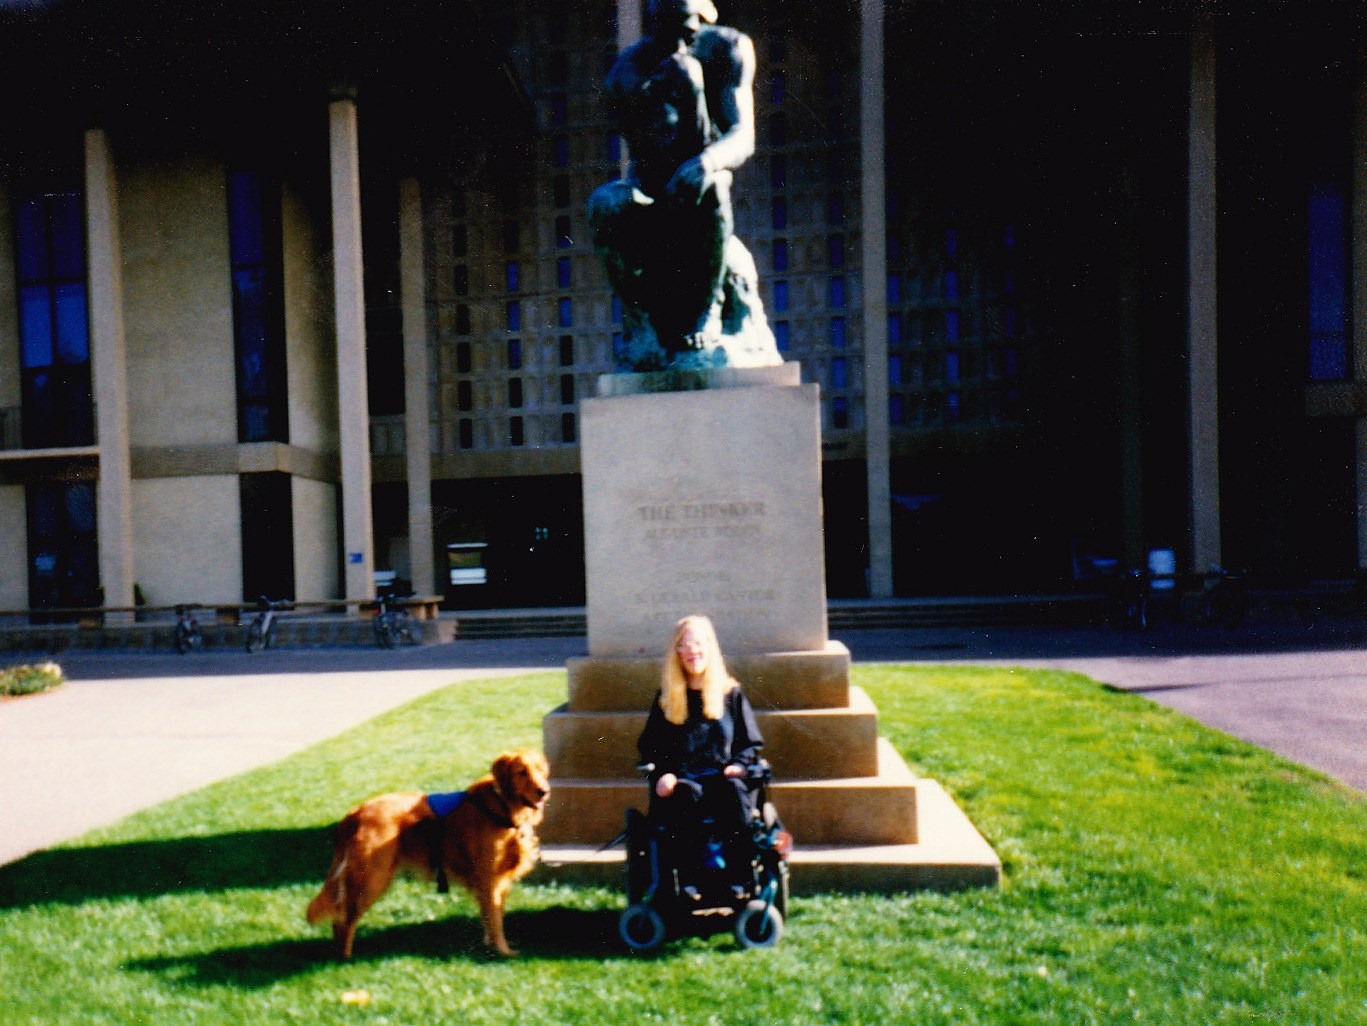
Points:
(800, 743)
(952, 855)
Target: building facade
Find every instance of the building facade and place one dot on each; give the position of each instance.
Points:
(291, 297)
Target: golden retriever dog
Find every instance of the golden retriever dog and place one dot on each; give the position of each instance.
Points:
(484, 838)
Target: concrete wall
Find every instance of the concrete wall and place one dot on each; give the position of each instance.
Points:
(315, 540)
(177, 303)
(13, 548)
(310, 342)
(187, 539)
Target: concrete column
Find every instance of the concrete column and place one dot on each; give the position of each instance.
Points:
(1202, 369)
(1359, 286)
(109, 370)
(352, 399)
(417, 432)
(874, 259)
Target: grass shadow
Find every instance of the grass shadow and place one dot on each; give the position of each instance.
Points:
(557, 933)
(144, 869)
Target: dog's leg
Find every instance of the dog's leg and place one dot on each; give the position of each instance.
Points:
(491, 896)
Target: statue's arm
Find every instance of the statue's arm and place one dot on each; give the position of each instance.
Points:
(729, 63)
(734, 107)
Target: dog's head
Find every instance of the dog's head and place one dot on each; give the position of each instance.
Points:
(523, 778)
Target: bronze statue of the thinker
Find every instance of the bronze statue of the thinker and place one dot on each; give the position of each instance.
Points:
(689, 288)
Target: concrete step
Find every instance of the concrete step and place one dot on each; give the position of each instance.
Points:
(868, 810)
(949, 855)
(812, 743)
(779, 680)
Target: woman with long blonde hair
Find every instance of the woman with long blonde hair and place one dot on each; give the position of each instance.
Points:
(701, 738)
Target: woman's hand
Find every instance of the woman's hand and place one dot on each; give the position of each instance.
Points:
(733, 771)
(664, 786)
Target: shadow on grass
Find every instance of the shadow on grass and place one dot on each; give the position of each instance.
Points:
(144, 869)
(555, 933)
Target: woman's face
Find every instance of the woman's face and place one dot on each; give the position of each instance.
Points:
(692, 653)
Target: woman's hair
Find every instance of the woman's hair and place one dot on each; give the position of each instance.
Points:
(674, 685)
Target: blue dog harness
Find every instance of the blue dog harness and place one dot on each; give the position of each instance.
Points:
(442, 805)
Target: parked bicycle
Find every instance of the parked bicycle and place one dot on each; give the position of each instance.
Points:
(393, 622)
(187, 635)
(261, 631)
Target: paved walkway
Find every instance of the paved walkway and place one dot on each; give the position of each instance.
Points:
(131, 730)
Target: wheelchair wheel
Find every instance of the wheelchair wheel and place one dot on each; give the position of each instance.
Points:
(641, 928)
(759, 925)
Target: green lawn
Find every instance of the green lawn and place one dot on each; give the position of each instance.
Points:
(1155, 872)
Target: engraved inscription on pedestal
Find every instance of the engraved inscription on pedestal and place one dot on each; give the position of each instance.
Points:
(704, 502)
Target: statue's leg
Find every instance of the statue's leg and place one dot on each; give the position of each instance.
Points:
(691, 270)
(617, 220)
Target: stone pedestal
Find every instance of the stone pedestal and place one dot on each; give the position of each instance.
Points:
(706, 498)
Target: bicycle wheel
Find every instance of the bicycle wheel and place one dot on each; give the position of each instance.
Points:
(384, 630)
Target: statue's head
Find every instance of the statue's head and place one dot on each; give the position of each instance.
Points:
(680, 18)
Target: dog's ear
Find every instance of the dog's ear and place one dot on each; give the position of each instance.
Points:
(504, 770)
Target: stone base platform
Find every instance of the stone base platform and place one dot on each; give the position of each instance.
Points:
(951, 855)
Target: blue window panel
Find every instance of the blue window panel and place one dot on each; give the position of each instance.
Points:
(68, 235)
(514, 353)
(952, 325)
(779, 255)
(614, 147)
(839, 376)
(512, 316)
(35, 325)
(31, 222)
(781, 335)
(512, 274)
(778, 172)
(951, 244)
(1328, 260)
(835, 250)
(953, 407)
(73, 340)
(778, 87)
(837, 333)
(894, 288)
(566, 312)
(894, 329)
(950, 284)
(779, 215)
(562, 232)
(563, 273)
(246, 218)
(897, 413)
(560, 151)
(780, 297)
(840, 413)
(249, 289)
(894, 370)
(778, 129)
(835, 208)
(835, 292)
(952, 368)
(616, 309)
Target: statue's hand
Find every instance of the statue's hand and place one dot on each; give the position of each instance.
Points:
(691, 179)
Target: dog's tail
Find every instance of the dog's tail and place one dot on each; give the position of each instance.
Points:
(331, 897)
